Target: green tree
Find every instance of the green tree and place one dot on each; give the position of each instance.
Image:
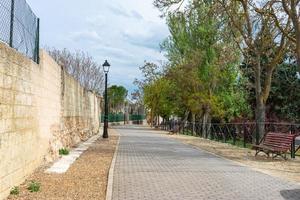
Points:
(202, 62)
(154, 91)
(284, 97)
(262, 44)
(157, 96)
(116, 98)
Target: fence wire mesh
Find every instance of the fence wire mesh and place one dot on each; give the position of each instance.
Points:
(19, 27)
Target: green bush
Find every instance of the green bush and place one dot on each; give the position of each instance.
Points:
(34, 186)
(64, 151)
(15, 191)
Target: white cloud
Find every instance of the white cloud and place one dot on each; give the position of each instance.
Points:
(86, 36)
(126, 32)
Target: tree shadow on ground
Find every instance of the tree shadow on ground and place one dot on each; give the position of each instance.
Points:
(291, 194)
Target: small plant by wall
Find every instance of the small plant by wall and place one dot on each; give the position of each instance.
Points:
(15, 191)
(34, 186)
(63, 151)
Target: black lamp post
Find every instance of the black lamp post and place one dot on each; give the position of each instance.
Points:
(106, 66)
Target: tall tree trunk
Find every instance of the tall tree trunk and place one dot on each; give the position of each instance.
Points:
(193, 124)
(298, 50)
(186, 115)
(208, 126)
(260, 120)
(205, 119)
(260, 104)
(151, 118)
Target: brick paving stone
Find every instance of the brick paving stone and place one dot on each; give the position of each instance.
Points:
(150, 166)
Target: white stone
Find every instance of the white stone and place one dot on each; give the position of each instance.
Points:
(63, 164)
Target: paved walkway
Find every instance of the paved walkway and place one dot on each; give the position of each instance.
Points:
(155, 167)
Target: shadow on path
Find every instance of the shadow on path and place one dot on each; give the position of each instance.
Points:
(290, 194)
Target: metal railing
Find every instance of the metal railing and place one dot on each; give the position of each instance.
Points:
(240, 134)
(19, 27)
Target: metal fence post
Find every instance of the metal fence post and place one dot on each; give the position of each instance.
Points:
(257, 135)
(293, 147)
(244, 131)
(12, 16)
(293, 153)
(38, 41)
(224, 131)
(234, 135)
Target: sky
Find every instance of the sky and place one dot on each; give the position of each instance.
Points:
(125, 32)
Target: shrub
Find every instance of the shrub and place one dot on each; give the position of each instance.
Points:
(15, 191)
(64, 151)
(34, 186)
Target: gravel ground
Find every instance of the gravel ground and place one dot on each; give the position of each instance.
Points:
(288, 170)
(86, 178)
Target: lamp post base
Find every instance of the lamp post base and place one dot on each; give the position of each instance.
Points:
(105, 136)
(105, 132)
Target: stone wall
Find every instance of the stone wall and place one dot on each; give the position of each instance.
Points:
(42, 109)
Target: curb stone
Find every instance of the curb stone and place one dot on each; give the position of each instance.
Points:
(109, 189)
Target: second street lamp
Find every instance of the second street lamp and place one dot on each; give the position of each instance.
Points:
(106, 66)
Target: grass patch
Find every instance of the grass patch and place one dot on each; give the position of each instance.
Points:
(34, 186)
(15, 191)
(64, 151)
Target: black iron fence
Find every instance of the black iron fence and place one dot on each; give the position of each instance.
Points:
(19, 27)
(240, 134)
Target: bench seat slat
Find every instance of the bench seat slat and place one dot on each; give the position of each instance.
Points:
(279, 139)
(277, 147)
(277, 144)
(276, 137)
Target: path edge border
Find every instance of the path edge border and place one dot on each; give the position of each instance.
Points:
(109, 188)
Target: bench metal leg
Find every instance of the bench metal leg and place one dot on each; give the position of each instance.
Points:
(282, 155)
(261, 150)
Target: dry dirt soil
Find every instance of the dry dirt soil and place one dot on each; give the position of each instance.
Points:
(86, 178)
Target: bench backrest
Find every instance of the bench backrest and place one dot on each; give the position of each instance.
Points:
(278, 141)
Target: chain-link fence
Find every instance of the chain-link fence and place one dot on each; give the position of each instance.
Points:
(19, 27)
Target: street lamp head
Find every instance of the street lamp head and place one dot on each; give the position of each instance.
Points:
(106, 66)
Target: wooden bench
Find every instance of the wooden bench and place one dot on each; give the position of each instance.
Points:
(276, 143)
